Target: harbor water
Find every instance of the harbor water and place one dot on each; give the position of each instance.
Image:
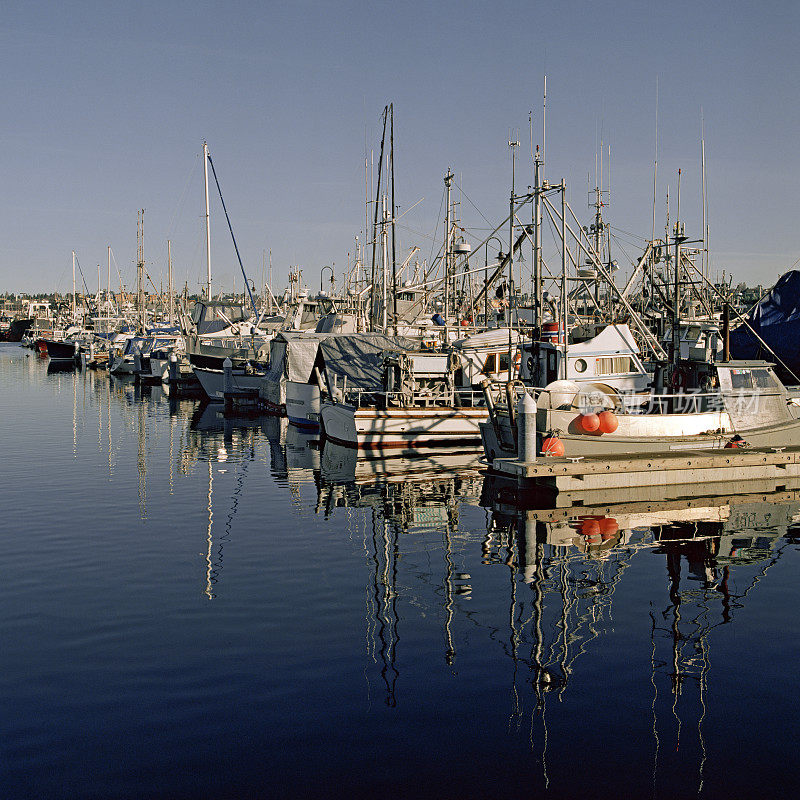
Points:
(200, 606)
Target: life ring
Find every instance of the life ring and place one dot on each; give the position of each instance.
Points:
(517, 361)
(678, 379)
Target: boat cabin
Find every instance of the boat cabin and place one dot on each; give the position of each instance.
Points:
(611, 358)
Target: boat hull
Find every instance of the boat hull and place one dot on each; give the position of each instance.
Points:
(213, 382)
(372, 428)
(303, 404)
(60, 351)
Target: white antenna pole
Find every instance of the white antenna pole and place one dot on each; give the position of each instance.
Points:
(208, 225)
(73, 285)
(108, 285)
(544, 121)
(704, 264)
(169, 279)
(655, 167)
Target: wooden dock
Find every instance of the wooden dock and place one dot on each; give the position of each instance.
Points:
(670, 476)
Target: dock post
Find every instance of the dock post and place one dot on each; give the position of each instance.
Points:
(173, 369)
(227, 384)
(137, 364)
(526, 429)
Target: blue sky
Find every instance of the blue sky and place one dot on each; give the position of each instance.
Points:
(106, 106)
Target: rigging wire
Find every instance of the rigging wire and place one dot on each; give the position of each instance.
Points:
(235, 246)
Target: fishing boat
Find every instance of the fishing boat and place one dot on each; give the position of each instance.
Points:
(384, 396)
(727, 404)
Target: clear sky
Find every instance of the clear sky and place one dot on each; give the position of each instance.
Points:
(106, 106)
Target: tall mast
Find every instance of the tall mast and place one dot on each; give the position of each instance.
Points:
(513, 145)
(448, 182)
(704, 264)
(73, 285)
(140, 272)
(564, 319)
(394, 214)
(108, 284)
(537, 237)
(677, 288)
(385, 270)
(169, 279)
(208, 225)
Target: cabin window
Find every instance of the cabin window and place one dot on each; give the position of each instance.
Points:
(741, 379)
(613, 365)
(503, 362)
(763, 379)
(489, 364)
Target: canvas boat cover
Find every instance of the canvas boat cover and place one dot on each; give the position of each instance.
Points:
(776, 319)
(359, 357)
(291, 358)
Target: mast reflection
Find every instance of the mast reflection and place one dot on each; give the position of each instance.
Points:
(715, 552)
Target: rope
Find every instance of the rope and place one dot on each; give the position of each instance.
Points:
(82, 276)
(235, 246)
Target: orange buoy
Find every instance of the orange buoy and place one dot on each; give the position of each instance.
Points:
(590, 527)
(589, 422)
(608, 527)
(552, 446)
(608, 421)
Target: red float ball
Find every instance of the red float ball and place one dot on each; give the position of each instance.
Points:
(608, 527)
(589, 422)
(608, 421)
(552, 446)
(590, 528)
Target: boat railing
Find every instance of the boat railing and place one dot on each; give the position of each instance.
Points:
(422, 398)
(636, 403)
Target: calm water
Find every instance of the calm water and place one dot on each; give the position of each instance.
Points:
(199, 607)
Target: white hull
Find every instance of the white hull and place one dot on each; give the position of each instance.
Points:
(213, 382)
(303, 404)
(402, 427)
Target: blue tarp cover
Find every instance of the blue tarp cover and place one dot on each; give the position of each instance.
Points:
(776, 319)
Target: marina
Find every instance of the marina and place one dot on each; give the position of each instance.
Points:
(434, 432)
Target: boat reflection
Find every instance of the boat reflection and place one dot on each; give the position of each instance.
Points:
(715, 553)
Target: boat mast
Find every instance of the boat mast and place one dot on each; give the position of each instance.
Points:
(140, 271)
(385, 270)
(208, 225)
(537, 239)
(563, 303)
(394, 216)
(108, 279)
(679, 237)
(169, 280)
(513, 145)
(73, 286)
(448, 182)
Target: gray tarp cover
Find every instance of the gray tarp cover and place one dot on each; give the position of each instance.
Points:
(359, 356)
(291, 358)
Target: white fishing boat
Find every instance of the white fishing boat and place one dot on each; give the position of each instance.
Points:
(379, 397)
(729, 404)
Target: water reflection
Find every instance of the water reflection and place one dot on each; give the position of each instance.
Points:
(715, 552)
(459, 590)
